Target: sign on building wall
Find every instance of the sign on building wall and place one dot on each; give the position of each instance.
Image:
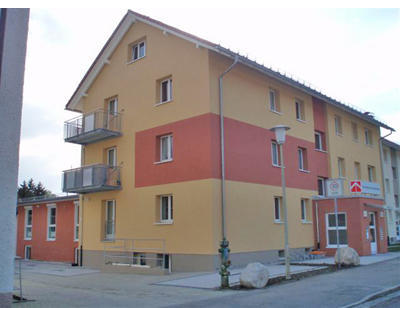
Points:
(334, 187)
(365, 187)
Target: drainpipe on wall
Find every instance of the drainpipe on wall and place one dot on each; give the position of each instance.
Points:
(383, 178)
(224, 250)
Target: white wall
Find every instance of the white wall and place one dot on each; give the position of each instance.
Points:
(14, 28)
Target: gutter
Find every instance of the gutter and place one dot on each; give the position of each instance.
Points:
(222, 134)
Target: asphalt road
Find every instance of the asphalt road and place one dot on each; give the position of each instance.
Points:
(335, 289)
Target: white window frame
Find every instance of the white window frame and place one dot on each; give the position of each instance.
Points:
(354, 131)
(328, 228)
(371, 177)
(115, 111)
(304, 210)
(27, 210)
(300, 155)
(137, 46)
(169, 90)
(368, 137)
(170, 200)
(272, 101)
(275, 150)
(341, 168)
(26, 251)
(299, 108)
(76, 220)
(114, 150)
(279, 198)
(338, 125)
(323, 186)
(357, 170)
(169, 140)
(319, 136)
(107, 235)
(49, 225)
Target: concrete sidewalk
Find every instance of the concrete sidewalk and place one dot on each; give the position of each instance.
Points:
(364, 260)
(213, 280)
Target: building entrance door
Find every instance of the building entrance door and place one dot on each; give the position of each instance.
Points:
(372, 233)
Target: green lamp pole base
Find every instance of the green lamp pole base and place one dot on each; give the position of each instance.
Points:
(225, 263)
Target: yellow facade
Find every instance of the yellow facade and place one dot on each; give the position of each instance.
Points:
(195, 70)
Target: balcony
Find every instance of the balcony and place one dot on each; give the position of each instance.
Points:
(92, 127)
(93, 178)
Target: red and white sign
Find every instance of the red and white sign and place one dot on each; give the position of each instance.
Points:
(355, 187)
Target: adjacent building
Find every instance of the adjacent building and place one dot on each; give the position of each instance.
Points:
(391, 164)
(48, 228)
(150, 179)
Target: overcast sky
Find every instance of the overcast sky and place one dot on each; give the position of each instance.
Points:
(349, 54)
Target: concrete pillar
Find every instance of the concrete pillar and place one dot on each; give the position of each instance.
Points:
(13, 36)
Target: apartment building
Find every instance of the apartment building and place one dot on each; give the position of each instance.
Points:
(151, 158)
(391, 164)
(48, 228)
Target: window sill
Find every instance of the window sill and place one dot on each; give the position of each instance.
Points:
(50, 239)
(28, 239)
(276, 112)
(76, 240)
(163, 161)
(164, 223)
(335, 246)
(306, 222)
(305, 171)
(161, 103)
(132, 61)
(278, 222)
(301, 121)
(108, 240)
(321, 150)
(276, 166)
(339, 134)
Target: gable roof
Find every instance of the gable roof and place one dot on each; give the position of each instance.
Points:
(131, 16)
(390, 144)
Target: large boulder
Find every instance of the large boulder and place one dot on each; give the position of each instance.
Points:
(347, 256)
(255, 275)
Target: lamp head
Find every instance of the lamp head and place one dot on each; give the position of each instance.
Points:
(280, 133)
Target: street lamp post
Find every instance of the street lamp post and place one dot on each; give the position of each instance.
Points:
(280, 134)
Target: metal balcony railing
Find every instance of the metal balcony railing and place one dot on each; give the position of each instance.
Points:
(93, 178)
(92, 127)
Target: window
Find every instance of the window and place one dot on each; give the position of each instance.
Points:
(166, 90)
(28, 223)
(371, 173)
(139, 258)
(302, 158)
(357, 171)
(385, 155)
(368, 137)
(394, 172)
(277, 208)
(51, 222)
(166, 148)
(304, 212)
(166, 209)
(112, 157)
(110, 220)
(321, 186)
(76, 221)
(275, 154)
(354, 130)
(138, 51)
(396, 200)
(387, 186)
(273, 100)
(341, 168)
(111, 118)
(300, 110)
(338, 125)
(163, 261)
(331, 229)
(319, 140)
